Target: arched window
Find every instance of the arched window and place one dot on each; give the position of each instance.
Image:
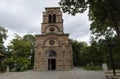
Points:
(50, 18)
(54, 18)
(51, 53)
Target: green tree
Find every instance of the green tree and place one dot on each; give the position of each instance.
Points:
(95, 52)
(10, 62)
(20, 47)
(104, 17)
(73, 6)
(78, 48)
(114, 45)
(104, 14)
(101, 51)
(21, 52)
(30, 38)
(22, 64)
(3, 36)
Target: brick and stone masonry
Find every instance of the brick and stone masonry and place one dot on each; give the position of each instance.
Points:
(52, 48)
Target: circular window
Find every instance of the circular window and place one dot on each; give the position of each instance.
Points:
(51, 42)
(52, 29)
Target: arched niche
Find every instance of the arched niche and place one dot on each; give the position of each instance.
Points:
(51, 42)
(51, 53)
(52, 29)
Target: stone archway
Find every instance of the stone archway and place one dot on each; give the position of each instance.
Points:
(51, 60)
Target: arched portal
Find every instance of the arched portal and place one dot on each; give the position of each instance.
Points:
(51, 60)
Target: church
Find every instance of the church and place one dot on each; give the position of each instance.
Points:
(52, 48)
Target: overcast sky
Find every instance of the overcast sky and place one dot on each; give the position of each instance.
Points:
(25, 17)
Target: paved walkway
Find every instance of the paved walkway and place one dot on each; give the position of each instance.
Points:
(73, 74)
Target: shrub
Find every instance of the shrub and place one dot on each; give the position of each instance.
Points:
(2, 67)
(10, 62)
(92, 67)
(22, 64)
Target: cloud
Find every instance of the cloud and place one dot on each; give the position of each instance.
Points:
(77, 26)
(18, 17)
(25, 16)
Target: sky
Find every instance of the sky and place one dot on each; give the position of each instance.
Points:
(25, 17)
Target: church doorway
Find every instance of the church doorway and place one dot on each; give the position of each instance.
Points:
(51, 64)
(51, 60)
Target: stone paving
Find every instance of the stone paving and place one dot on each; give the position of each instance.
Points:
(72, 74)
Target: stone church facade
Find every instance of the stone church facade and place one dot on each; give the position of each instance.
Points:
(52, 48)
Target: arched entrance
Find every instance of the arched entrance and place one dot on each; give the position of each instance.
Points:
(51, 64)
(51, 60)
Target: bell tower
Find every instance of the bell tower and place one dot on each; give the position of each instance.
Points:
(51, 44)
(52, 21)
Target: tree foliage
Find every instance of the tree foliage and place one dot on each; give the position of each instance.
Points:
(30, 38)
(104, 14)
(96, 53)
(78, 48)
(20, 47)
(3, 36)
(18, 55)
(104, 17)
(22, 64)
(10, 62)
(73, 6)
